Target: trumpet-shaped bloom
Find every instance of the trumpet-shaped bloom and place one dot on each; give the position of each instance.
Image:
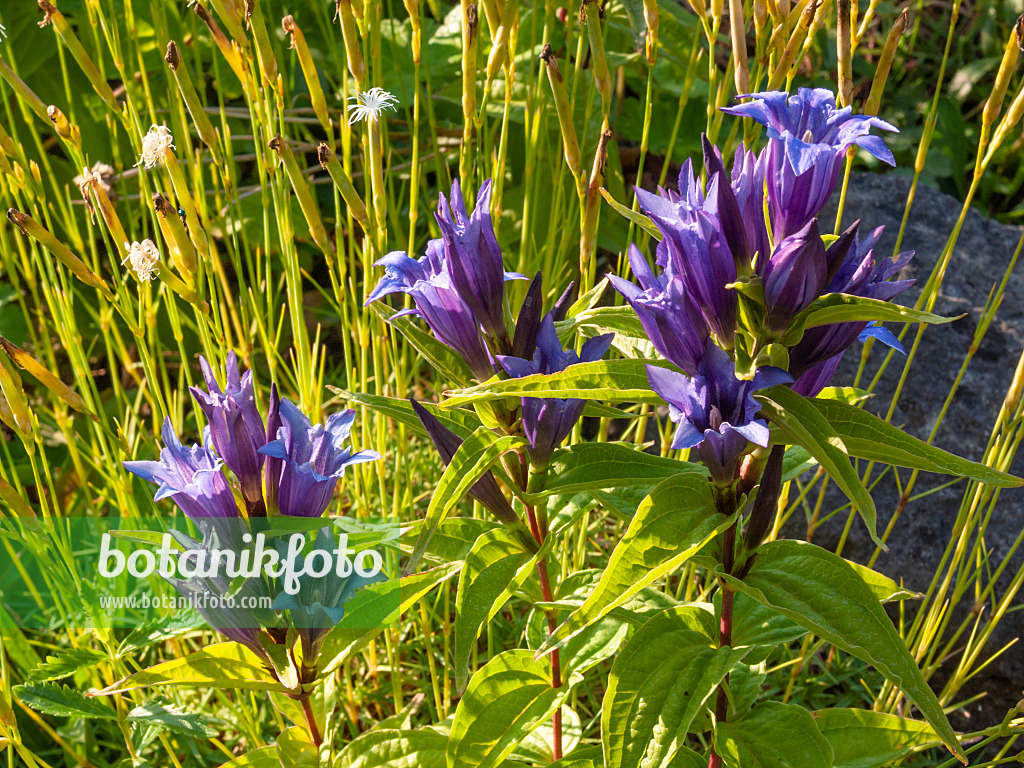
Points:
(473, 257)
(485, 490)
(313, 459)
(672, 321)
(428, 281)
(191, 477)
(809, 137)
(548, 421)
(858, 274)
(236, 430)
(716, 412)
(695, 248)
(794, 276)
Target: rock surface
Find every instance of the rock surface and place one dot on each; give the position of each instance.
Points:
(920, 534)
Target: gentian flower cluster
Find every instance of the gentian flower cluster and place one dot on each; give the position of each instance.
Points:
(752, 238)
(458, 288)
(283, 464)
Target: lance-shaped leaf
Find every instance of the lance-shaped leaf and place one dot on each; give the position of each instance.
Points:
(644, 222)
(504, 702)
(844, 308)
(222, 665)
(493, 570)
(861, 738)
(172, 718)
(773, 735)
(590, 466)
(658, 684)
(439, 355)
(374, 608)
(868, 437)
(392, 748)
(613, 381)
(671, 525)
(823, 593)
(804, 425)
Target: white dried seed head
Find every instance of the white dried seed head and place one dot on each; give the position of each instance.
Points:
(370, 104)
(153, 145)
(144, 258)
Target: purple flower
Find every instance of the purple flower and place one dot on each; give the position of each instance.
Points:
(715, 411)
(428, 281)
(191, 477)
(816, 378)
(695, 248)
(748, 188)
(236, 430)
(485, 490)
(548, 421)
(474, 258)
(794, 276)
(858, 274)
(670, 318)
(809, 137)
(313, 459)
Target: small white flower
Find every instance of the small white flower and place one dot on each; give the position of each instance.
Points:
(369, 105)
(144, 258)
(153, 145)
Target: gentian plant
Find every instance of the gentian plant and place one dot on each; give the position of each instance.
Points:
(283, 467)
(749, 306)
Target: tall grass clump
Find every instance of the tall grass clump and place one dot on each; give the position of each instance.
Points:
(537, 309)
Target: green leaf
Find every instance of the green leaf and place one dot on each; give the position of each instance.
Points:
(374, 608)
(883, 588)
(621, 320)
(658, 684)
(868, 437)
(295, 750)
(797, 417)
(673, 523)
(504, 702)
(773, 735)
(455, 537)
(440, 356)
(861, 738)
(61, 701)
(583, 757)
(222, 665)
(759, 625)
(644, 222)
(172, 718)
(795, 462)
(602, 639)
(844, 308)
(492, 571)
(422, 748)
(613, 381)
(592, 466)
(264, 757)
(459, 421)
(822, 592)
(470, 462)
(65, 663)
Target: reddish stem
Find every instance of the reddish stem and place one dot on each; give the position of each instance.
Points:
(545, 587)
(314, 732)
(724, 636)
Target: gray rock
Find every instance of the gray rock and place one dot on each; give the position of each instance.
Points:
(918, 540)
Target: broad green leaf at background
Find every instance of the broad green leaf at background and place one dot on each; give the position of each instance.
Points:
(861, 738)
(822, 592)
(673, 523)
(773, 735)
